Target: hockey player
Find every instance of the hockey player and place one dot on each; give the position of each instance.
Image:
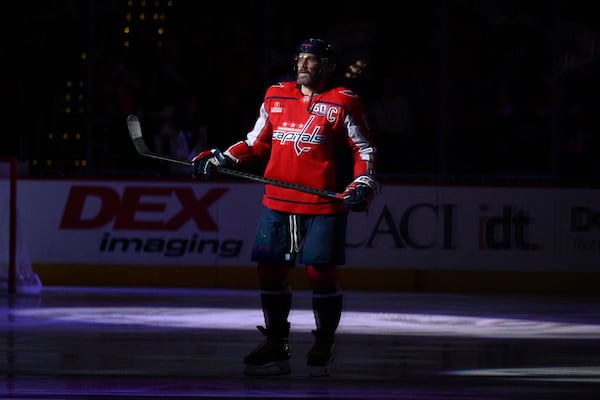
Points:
(312, 134)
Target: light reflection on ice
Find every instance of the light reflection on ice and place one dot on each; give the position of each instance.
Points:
(353, 322)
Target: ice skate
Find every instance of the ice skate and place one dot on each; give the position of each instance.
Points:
(321, 355)
(271, 357)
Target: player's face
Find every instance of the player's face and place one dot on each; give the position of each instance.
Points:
(308, 67)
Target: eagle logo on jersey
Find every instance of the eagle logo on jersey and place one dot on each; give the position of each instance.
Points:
(349, 93)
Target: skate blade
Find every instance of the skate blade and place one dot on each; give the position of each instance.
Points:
(269, 369)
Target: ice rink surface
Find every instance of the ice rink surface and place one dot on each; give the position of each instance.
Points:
(136, 343)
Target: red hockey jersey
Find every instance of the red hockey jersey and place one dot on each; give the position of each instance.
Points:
(322, 142)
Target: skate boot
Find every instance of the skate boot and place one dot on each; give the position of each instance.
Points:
(320, 357)
(271, 357)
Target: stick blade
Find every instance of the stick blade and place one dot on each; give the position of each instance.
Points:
(135, 129)
(135, 132)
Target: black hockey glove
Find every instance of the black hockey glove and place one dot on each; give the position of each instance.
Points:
(360, 193)
(204, 163)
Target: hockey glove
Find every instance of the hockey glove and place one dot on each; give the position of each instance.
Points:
(204, 163)
(359, 194)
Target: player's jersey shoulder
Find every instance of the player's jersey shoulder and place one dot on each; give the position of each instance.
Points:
(282, 89)
(344, 93)
(343, 96)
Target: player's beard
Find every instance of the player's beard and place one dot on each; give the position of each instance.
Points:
(307, 79)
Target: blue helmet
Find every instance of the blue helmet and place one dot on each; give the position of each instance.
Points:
(320, 48)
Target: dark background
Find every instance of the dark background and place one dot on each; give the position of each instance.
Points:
(460, 91)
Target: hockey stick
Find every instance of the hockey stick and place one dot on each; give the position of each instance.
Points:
(135, 131)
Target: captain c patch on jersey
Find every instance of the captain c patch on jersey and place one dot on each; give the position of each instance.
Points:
(325, 110)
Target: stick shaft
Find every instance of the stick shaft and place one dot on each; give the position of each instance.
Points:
(135, 131)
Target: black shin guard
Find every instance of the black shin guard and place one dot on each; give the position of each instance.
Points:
(327, 309)
(276, 307)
